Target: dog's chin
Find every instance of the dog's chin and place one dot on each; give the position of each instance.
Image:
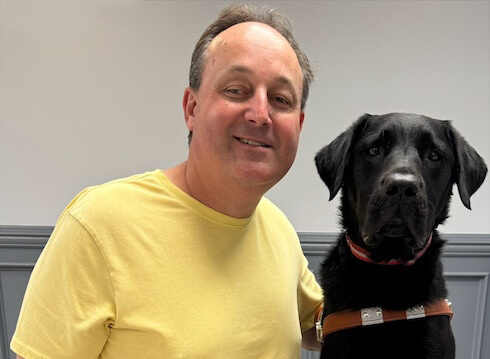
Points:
(387, 232)
(393, 242)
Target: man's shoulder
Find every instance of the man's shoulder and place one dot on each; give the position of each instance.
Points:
(267, 206)
(114, 196)
(273, 214)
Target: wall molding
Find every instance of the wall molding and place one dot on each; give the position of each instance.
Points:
(313, 243)
(25, 236)
(15, 238)
(457, 245)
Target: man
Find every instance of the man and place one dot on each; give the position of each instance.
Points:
(191, 262)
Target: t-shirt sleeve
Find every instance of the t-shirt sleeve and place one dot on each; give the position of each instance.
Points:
(69, 304)
(310, 297)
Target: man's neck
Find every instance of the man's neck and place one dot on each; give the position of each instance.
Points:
(230, 199)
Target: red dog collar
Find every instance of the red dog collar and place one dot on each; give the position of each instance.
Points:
(363, 254)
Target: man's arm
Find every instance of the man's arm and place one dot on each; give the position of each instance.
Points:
(309, 340)
(19, 357)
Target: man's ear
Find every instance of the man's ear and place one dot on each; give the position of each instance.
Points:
(301, 120)
(189, 105)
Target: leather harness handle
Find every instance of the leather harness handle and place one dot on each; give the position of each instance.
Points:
(371, 316)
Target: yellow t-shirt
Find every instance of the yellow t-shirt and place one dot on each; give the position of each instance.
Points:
(136, 268)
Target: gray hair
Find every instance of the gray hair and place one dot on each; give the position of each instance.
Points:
(237, 13)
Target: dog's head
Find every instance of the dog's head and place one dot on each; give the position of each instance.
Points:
(396, 172)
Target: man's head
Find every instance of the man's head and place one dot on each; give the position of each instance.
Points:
(246, 115)
(238, 13)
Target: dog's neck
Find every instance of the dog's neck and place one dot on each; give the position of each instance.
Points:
(364, 255)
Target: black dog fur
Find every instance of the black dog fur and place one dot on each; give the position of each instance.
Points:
(396, 174)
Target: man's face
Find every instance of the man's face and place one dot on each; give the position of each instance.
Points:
(246, 116)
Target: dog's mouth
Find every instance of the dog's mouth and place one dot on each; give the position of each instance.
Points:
(394, 240)
(393, 229)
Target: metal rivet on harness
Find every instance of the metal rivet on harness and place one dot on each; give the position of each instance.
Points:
(372, 316)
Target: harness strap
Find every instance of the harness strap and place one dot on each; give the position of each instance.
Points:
(376, 315)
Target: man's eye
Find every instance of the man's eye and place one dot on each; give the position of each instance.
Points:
(234, 91)
(281, 100)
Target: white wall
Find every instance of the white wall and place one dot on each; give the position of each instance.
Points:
(91, 91)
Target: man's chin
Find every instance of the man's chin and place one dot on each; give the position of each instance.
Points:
(258, 175)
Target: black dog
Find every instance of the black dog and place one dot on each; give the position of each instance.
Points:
(396, 172)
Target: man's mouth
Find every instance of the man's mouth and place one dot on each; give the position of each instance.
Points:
(251, 142)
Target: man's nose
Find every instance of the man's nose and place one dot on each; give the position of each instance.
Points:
(259, 111)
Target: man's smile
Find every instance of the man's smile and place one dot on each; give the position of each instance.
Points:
(251, 142)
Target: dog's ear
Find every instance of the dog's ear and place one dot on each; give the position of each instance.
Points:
(469, 170)
(332, 160)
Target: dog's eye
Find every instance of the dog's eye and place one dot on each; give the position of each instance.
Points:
(373, 151)
(435, 156)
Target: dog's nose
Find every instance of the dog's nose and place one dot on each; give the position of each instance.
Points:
(402, 185)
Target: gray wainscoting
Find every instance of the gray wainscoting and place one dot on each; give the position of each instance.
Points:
(466, 262)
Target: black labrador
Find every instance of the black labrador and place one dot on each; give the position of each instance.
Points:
(396, 172)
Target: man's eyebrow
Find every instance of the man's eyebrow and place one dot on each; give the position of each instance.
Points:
(239, 69)
(282, 80)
